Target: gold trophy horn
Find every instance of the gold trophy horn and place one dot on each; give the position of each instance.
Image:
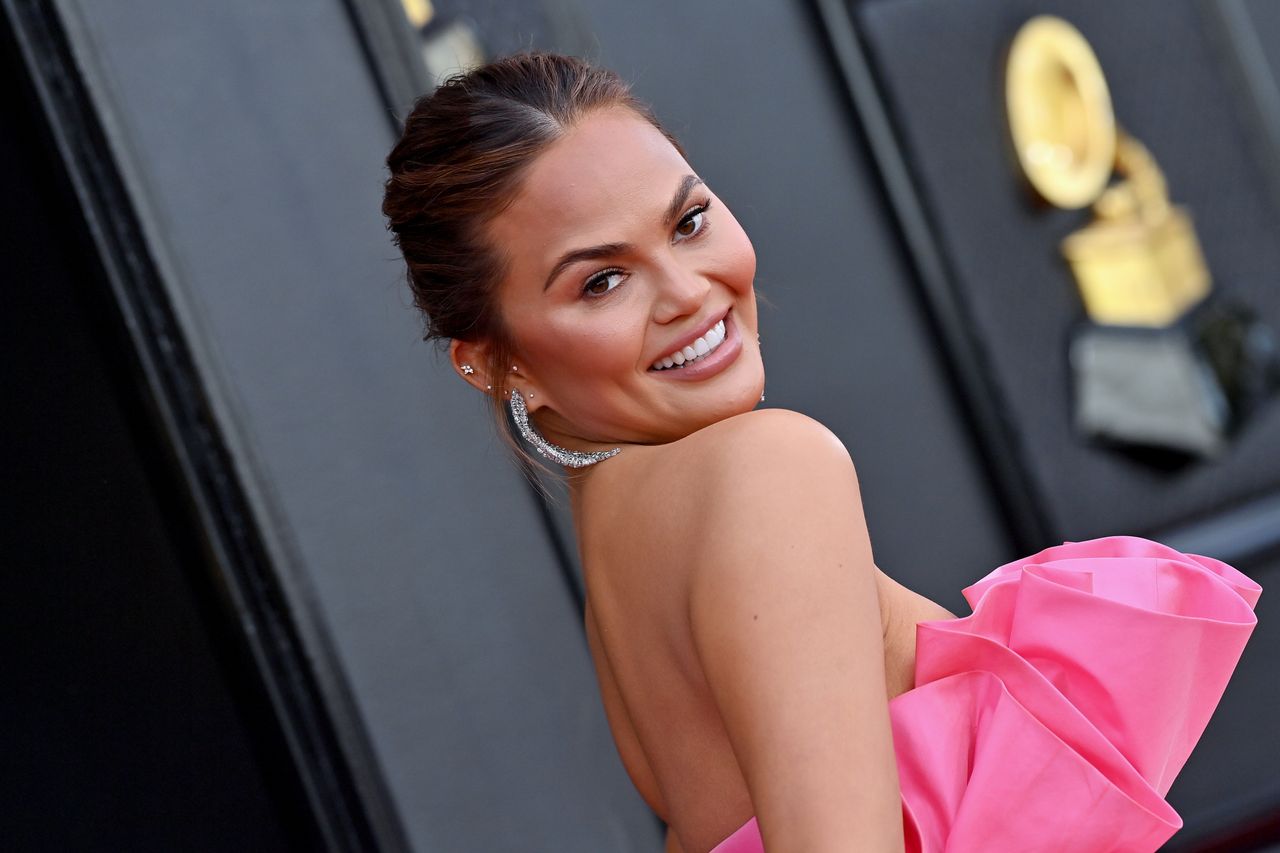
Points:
(1060, 115)
(1138, 263)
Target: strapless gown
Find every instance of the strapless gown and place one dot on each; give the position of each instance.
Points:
(1058, 713)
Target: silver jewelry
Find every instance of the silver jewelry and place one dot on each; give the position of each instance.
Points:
(562, 455)
(468, 369)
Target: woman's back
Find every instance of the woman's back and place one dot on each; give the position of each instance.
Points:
(654, 529)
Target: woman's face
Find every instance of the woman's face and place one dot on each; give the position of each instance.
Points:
(620, 256)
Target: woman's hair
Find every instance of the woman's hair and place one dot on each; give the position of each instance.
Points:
(460, 160)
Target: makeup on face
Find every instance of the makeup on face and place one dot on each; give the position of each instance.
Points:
(630, 289)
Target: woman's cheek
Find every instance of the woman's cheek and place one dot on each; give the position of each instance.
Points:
(608, 343)
(737, 258)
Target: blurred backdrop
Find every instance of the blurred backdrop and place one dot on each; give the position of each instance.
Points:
(271, 581)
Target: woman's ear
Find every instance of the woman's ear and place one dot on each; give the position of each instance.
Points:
(471, 361)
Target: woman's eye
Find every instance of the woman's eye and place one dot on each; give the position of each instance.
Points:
(604, 282)
(691, 224)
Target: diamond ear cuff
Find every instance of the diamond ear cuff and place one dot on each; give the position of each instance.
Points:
(562, 455)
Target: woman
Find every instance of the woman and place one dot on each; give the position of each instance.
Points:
(761, 676)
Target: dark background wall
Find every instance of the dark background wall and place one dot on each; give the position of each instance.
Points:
(131, 716)
(422, 597)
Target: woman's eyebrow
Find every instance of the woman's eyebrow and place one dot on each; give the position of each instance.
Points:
(604, 250)
(687, 183)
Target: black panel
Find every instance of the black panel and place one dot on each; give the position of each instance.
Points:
(941, 67)
(1263, 18)
(1247, 36)
(130, 720)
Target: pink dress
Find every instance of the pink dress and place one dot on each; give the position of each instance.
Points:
(1058, 713)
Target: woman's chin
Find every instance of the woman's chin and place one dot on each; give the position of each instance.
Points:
(736, 405)
(662, 421)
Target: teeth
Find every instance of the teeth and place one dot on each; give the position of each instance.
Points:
(703, 345)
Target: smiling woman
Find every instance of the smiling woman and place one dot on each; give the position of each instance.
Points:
(765, 683)
(461, 159)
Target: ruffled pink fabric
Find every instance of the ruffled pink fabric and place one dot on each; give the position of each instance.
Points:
(1058, 713)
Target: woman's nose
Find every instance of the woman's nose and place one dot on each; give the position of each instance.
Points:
(681, 291)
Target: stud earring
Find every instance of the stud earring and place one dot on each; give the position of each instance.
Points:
(468, 369)
(562, 455)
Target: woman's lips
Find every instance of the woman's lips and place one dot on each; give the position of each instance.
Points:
(713, 362)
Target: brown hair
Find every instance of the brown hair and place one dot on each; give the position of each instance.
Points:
(460, 158)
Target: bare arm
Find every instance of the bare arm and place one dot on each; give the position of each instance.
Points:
(785, 619)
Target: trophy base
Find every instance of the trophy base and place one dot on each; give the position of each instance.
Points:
(1183, 389)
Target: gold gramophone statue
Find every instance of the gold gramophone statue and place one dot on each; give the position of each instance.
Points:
(1160, 362)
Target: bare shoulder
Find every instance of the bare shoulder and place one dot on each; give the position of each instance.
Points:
(746, 495)
(768, 479)
(770, 426)
(724, 500)
(773, 470)
(760, 444)
(750, 461)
